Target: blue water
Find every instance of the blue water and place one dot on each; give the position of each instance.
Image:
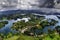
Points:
(7, 27)
(51, 27)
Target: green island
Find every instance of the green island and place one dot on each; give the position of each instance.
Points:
(13, 16)
(3, 23)
(18, 15)
(32, 29)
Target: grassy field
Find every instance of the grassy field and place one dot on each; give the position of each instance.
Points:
(25, 37)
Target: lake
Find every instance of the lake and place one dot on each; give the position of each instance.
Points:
(7, 27)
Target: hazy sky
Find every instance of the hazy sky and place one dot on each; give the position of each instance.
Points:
(23, 4)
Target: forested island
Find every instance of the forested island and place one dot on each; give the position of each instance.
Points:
(2, 24)
(32, 29)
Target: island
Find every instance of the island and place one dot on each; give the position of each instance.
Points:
(32, 29)
(3, 23)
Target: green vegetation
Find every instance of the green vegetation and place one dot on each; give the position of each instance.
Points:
(50, 36)
(18, 15)
(2, 24)
(9, 17)
(12, 16)
(48, 22)
(32, 29)
(33, 24)
(58, 29)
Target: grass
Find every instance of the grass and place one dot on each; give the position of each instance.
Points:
(28, 38)
(12, 38)
(25, 37)
(50, 36)
(21, 37)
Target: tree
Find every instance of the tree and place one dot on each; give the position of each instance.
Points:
(57, 29)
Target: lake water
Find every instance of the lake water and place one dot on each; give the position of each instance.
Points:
(7, 27)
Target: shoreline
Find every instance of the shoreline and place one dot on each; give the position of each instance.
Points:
(42, 11)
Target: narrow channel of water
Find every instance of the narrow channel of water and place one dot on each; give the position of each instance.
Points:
(51, 27)
(7, 27)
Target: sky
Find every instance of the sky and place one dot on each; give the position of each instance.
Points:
(23, 4)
